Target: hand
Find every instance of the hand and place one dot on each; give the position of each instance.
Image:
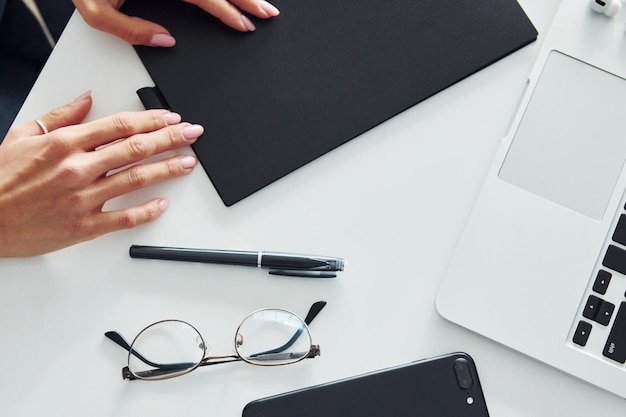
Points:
(105, 15)
(53, 186)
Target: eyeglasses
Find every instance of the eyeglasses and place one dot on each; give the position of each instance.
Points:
(170, 348)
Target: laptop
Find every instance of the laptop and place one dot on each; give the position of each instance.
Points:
(541, 264)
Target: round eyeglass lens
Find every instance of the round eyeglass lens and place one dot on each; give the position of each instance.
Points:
(166, 349)
(272, 337)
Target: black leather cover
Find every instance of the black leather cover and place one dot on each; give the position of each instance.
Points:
(316, 76)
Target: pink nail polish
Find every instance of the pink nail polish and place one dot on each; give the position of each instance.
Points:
(163, 40)
(82, 97)
(192, 131)
(163, 204)
(247, 23)
(188, 162)
(172, 118)
(268, 8)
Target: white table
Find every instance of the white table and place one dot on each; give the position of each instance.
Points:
(397, 225)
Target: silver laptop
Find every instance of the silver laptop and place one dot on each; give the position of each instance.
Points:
(541, 264)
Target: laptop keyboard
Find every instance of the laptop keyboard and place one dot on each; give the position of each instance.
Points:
(601, 326)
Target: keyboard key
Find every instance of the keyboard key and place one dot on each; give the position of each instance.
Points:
(602, 281)
(604, 313)
(582, 333)
(592, 307)
(619, 235)
(598, 310)
(615, 259)
(615, 347)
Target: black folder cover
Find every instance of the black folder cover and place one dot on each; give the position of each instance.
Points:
(316, 76)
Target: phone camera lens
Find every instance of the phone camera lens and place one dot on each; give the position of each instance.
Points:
(463, 374)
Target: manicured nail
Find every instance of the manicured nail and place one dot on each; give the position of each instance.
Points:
(172, 118)
(247, 23)
(192, 131)
(163, 204)
(188, 162)
(162, 39)
(268, 8)
(82, 97)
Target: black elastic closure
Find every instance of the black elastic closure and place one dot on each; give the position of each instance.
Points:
(152, 98)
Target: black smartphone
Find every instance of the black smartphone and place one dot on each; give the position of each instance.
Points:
(446, 385)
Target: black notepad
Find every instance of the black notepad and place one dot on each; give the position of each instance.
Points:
(316, 76)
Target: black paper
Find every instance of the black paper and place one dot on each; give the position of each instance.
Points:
(316, 76)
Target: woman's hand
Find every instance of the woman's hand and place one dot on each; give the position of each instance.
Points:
(104, 15)
(53, 185)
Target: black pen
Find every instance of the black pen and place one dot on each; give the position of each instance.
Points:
(278, 263)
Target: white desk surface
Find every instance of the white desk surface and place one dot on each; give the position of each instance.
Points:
(396, 223)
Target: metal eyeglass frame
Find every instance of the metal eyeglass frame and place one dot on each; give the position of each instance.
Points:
(213, 360)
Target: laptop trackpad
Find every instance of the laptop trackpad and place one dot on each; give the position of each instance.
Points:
(570, 145)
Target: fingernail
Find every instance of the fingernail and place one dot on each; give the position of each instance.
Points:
(188, 162)
(248, 24)
(82, 97)
(162, 39)
(192, 131)
(268, 8)
(163, 204)
(172, 118)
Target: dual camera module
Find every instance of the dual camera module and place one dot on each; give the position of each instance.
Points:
(464, 378)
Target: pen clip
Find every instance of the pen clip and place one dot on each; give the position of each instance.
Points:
(302, 274)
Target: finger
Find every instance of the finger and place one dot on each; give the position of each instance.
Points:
(226, 12)
(259, 8)
(230, 14)
(89, 136)
(139, 147)
(140, 176)
(70, 114)
(111, 221)
(134, 30)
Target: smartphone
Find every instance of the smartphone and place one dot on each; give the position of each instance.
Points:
(446, 385)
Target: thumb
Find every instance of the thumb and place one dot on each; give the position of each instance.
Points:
(133, 30)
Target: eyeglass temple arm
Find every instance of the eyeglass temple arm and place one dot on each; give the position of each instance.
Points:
(313, 351)
(157, 371)
(126, 374)
(151, 373)
(313, 312)
(120, 341)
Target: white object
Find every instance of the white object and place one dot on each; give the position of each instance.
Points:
(526, 262)
(607, 7)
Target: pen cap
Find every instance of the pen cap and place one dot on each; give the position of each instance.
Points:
(289, 262)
